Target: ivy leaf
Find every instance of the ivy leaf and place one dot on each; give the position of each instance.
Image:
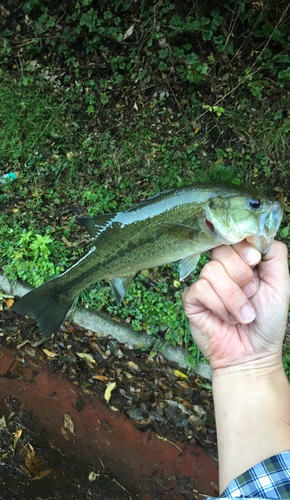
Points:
(163, 53)
(27, 7)
(284, 232)
(191, 58)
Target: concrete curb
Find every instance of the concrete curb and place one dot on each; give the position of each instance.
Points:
(104, 326)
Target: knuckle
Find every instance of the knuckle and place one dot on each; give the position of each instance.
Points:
(233, 292)
(243, 275)
(211, 267)
(200, 286)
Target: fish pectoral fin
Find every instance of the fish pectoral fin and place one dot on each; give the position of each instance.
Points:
(94, 225)
(120, 286)
(180, 231)
(187, 266)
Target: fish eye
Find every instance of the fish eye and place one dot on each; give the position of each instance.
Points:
(255, 203)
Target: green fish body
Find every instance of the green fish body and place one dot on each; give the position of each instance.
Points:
(173, 225)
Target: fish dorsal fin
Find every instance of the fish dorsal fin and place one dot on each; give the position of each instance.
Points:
(120, 286)
(96, 224)
(179, 230)
(187, 266)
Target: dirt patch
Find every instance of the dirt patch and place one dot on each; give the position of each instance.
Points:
(61, 439)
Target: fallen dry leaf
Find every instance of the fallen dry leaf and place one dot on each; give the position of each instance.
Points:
(31, 458)
(129, 32)
(42, 474)
(86, 357)
(179, 374)
(68, 423)
(49, 353)
(67, 244)
(64, 433)
(108, 391)
(25, 471)
(2, 422)
(133, 366)
(100, 377)
(17, 434)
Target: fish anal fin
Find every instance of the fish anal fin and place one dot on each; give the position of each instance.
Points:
(180, 231)
(120, 286)
(96, 224)
(187, 266)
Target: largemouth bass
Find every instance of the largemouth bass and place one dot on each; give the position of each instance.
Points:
(174, 225)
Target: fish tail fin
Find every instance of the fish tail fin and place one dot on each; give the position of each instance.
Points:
(47, 305)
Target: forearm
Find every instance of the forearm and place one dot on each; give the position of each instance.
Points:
(252, 408)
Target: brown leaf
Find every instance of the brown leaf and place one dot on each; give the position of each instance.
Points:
(42, 474)
(186, 405)
(68, 423)
(10, 302)
(64, 433)
(17, 434)
(100, 377)
(26, 471)
(182, 384)
(31, 458)
(67, 244)
(133, 366)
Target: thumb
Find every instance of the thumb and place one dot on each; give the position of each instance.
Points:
(273, 269)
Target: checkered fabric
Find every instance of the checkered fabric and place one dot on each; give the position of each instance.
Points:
(269, 479)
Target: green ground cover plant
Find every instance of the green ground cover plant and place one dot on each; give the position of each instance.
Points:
(104, 104)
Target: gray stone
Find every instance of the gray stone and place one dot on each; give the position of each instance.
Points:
(137, 413)
(173, 413)
(195, 421)
(201, 413)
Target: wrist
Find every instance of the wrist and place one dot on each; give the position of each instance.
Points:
(264, 367)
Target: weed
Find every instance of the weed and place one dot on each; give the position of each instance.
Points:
(32, 258)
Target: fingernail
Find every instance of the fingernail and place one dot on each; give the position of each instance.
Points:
(248, 314)
(251, 256)
(250, 289)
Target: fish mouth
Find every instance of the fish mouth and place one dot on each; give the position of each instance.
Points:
(210, 227)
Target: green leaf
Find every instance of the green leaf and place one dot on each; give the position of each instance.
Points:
(27, 7)
(284, 232)
(218, 40)
(162, 66)
(163, 53)
(191, 58)
(107, 14)
(176, 20)
(50, 23)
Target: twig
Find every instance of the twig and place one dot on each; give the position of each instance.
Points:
(173, 444)
(122, 487)
(230, 92)
(181, 111)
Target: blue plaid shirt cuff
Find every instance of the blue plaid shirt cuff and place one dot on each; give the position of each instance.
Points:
(269, 479)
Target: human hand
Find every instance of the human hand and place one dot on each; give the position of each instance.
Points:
(228, 288)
